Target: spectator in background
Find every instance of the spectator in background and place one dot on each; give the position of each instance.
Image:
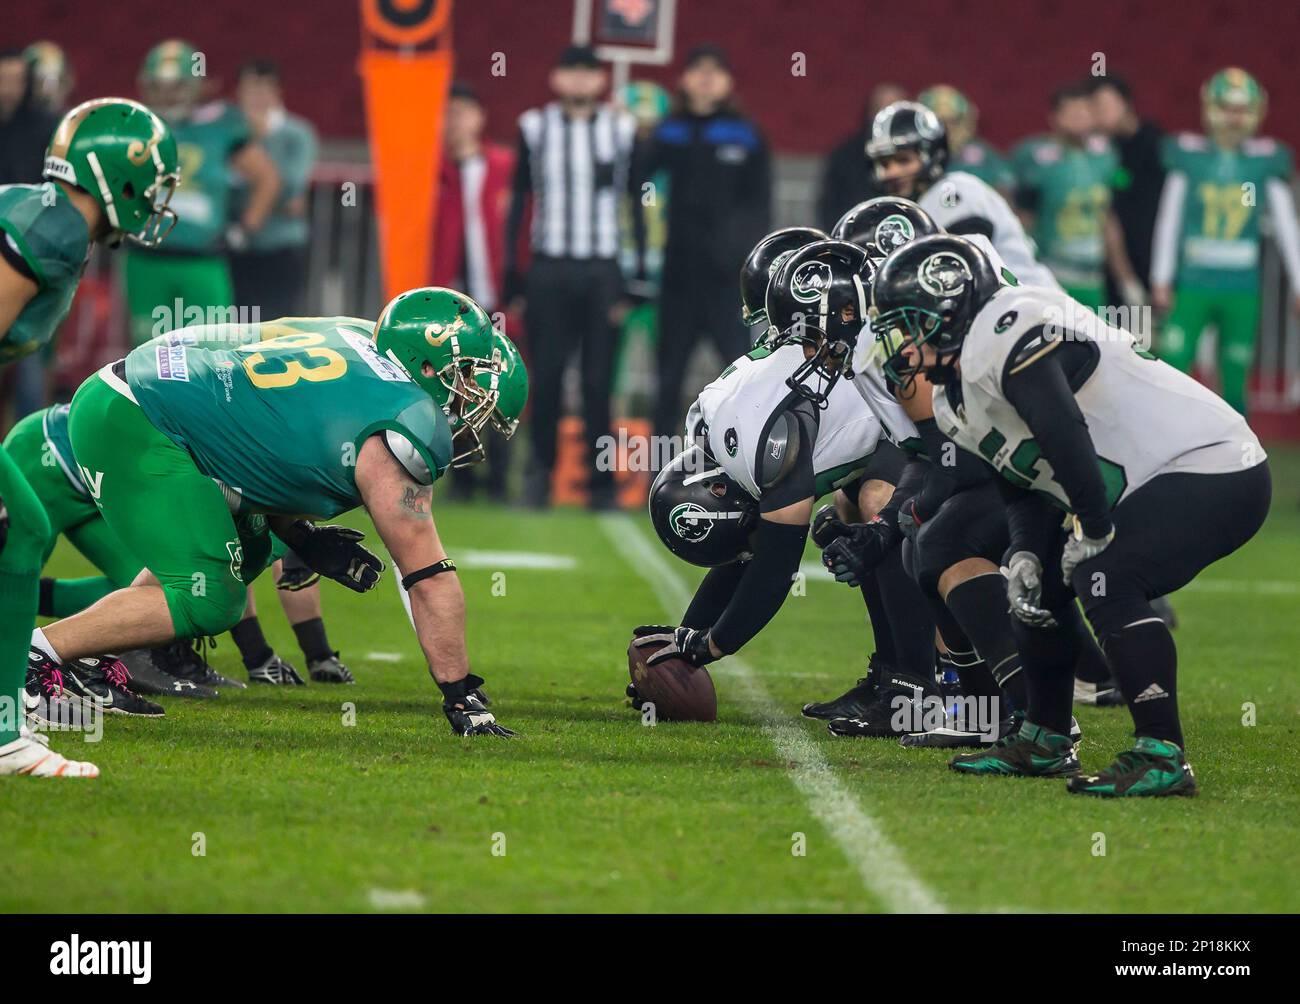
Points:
(469, 241)
(849, 176)
(966, 151)
(269, 270)
(1063, 181)
(1136, 193)
(52, 77)
(25, 130)
(574, 162)
(718, 169)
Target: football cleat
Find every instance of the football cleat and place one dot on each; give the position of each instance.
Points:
(186, 659)
(277, 672)
(956, 735)
(106, 679)
(1030, 752)
(898, 704)
(1103, 695)
(1152, 768)
(855, 701)
(147, 678)
(28, 756)
(330, 670)
(472, 718)
(48, 683)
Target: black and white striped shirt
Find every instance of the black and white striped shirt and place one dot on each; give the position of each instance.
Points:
(578, 171)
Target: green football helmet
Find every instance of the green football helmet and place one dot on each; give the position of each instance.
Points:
(445, 342)
(954, 110)
(511, 385)
(1233, 104)
(124, 156)
(171, 80)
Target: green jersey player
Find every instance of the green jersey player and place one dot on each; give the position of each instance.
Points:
(1205, 258)
(966, 151)
(111, 169)
(246, 435)
(189, 282)
(1063, 192)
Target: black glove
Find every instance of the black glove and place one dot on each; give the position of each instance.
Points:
(469, 717)
(295, 573)
(688, 644)
(850, 557)
(827, 526)
(909, 520)
(336, 553)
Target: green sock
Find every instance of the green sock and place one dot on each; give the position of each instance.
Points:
(17, 618)
(65, 597)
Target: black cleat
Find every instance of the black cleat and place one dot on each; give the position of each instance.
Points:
(855, 701)
(107, 679)
(186, 660)
(277, 672)
(899, 707)
(330, 670)
(147, 678)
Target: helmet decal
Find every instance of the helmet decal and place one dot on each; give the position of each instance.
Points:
(778, 261)
(810, 281)
(893, 232)
(944, 274)
(690, 521)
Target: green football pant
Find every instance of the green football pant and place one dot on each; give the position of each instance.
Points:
(73, 515)
(166, 291)
(170, 517)
(1235, 314)
(20, 570)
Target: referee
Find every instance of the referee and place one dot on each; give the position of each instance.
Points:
(574, 161)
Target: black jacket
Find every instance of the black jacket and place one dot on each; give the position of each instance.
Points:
(848, 179)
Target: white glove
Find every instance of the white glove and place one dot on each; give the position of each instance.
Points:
(1024, 575)
(1079, 549)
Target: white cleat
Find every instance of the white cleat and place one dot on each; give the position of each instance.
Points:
(28, 755)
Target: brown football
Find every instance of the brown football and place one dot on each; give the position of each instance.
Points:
(679, 691)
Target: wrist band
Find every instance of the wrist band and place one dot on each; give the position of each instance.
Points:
(428, 572)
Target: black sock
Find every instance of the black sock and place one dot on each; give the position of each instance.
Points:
(1048, 656)
(910, 623)
(45, 603)
(311, 639)
(1092, 666)
(252, 644)
(879, 622)
(1145, 663)
(980, 607)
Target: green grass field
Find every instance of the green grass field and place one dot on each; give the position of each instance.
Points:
(594, 812)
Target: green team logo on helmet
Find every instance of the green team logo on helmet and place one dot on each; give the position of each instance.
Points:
(1233, 103)
(124, 156)
(445, 342)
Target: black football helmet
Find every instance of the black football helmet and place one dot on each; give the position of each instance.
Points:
(884, 224)
(928, 293)
(819, 299)
(909, 125)
(700, 513)
(762, 263)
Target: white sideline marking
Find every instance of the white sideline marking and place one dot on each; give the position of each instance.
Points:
(396, 899)
(880, 867)
(384, 657)
(498, 560)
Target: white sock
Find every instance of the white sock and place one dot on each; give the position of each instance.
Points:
(42, 644)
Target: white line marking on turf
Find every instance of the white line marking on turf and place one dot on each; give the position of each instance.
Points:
(384, 657)
(498, 560)
(880, 866)
(396, 899)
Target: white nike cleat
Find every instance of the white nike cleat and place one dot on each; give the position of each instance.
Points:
(27, 755)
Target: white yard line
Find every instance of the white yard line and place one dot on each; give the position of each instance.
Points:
(880, 866)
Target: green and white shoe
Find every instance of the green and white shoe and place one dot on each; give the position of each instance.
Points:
(1153, 767)
(1031, 752)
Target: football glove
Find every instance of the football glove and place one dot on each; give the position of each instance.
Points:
(295, 574)
(469, 717)
(688, 644)
(336, 553)
(861, 549)
(1024, 575)
(827, 526)
(909, 520)
(1080, 548)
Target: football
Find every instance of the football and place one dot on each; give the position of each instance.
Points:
(679, 691)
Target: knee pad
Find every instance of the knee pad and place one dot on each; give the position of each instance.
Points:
(1110, 598)
(938, 548)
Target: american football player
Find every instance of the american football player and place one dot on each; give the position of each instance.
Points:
(966, 151)
(1158, 476)
(1205, 257)
(251, 434)
(111, 168)
(909, 148)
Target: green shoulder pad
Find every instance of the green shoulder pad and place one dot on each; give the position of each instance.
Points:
(48, 232)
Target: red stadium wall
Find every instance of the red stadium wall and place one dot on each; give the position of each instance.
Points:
(1007, 54)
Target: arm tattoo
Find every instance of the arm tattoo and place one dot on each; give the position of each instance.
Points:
(415, 501)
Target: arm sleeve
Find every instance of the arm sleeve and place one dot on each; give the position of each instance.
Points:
(1169, 220)
(910, 483)
(1030, 517)
(715, 592)
(1281, 209)
(521, 187)
(763, 586)
(963, 468)
(968, 225)
(1040, 393)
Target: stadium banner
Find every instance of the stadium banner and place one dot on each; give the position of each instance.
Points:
(406, 65)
